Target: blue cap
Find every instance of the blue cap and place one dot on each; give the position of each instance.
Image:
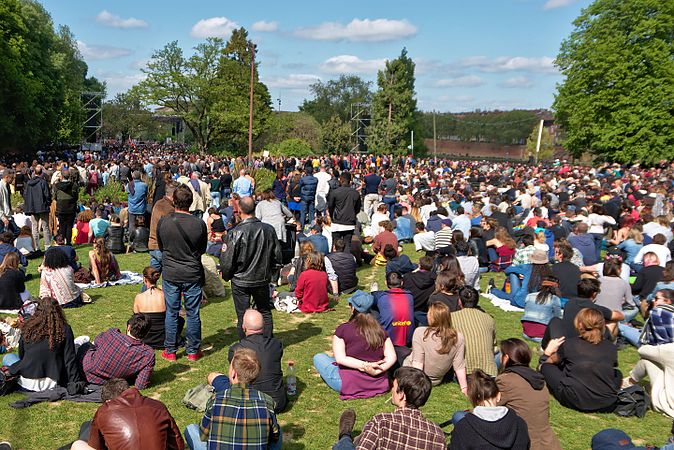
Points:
(612, 439)
(361, 301)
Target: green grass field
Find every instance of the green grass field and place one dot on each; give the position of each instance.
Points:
(312, 417)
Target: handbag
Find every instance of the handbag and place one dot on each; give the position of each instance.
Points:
(197, 397)
(632, 401)
(7, 382)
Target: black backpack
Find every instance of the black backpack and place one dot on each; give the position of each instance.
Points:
(632, 401)
(7, 383)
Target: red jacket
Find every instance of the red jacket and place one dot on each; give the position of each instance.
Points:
(312, 291)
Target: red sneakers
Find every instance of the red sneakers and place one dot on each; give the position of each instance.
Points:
(168, 356)
(195, 356)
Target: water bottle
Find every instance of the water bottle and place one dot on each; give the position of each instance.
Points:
(291, 378)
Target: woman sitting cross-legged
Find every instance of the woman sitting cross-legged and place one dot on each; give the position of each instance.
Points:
(582, 372)
(104, 266)
(488, 426)
(524, 391)
(540, 307)
(532, 275)
(438, 347)
(57, 279)
(363, 353)
(312, 285)
(11, 282)
(151, 303)
(46, 356)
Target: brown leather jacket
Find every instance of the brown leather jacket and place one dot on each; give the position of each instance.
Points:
(132, 421)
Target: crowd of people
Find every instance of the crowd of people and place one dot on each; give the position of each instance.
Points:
(585, 253)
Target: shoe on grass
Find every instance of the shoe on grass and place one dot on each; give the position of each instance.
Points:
(195, 356)
(168, 356)
(627, 382)
(490, 285)
(346, 422)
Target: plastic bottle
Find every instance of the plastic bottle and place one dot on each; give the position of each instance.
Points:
(291, 378)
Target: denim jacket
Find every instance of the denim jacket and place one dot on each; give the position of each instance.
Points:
(543, 312)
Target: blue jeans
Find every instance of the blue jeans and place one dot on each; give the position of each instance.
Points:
(630, 314)
(491, 254)
(215, 199)
(306, 212)
(328, 371)
(391, 203)
(155, 263)
(191, 293)
(194, 442)
(598, 242)
(457, 416)
(630, 334)
(345, 443)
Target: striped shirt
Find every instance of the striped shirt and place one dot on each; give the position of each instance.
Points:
(239, 417)
(479, 331)
(443, 238)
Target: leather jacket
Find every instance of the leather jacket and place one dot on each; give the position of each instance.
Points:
(132, 421)
(252, 254)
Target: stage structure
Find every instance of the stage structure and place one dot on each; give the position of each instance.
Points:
(92, 104)
(360, 120)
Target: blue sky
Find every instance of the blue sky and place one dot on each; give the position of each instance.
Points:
(486, 54)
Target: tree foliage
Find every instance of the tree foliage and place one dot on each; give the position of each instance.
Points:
(335, 136)
(209, 90)
(547, 148)
(501, 127)
(42, 75)
(125, 116)
(291, 147)
(394, 107)
(335, 97)
(287, 125)
(617, 98)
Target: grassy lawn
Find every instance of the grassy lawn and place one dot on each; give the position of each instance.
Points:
(311, 419)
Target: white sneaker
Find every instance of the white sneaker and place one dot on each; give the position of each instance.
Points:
(81, 340)
(626, 383)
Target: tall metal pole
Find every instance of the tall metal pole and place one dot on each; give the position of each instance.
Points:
(412, 143)
(435, 143)
(538, 142)
(250, 121)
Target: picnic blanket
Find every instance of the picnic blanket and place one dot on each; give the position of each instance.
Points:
(500, 303)
(128, 277)
(91, 393)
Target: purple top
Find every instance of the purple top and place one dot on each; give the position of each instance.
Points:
(357, 384)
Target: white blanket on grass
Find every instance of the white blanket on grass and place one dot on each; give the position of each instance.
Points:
(500, 303)
(128, 277)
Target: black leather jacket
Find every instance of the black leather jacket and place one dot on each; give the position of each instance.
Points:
(252, 254)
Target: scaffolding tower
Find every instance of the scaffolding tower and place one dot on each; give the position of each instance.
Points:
(92, 104)
(360, 119)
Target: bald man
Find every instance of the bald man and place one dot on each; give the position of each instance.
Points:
(269, 352)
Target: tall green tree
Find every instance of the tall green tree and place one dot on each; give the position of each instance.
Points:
(547, 147)
(125, 116)
(335, 97)
(335, 136)
(616, 100)
(394, 108)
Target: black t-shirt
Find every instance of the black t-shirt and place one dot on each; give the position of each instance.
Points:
(182, 257)
(11, 285)
(226, 181)
(372, 182)
(573, 307)
(646, 280)
(568, 275)
(452, 301)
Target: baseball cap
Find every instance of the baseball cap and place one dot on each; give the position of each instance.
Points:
(612, 439)
(447, 222)
(361, 301)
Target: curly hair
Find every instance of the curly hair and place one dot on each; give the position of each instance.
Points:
(48, 322)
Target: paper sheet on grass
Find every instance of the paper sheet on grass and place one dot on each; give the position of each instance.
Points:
(500, 303)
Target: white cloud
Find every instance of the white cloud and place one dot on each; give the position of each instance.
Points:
(465, 81)
(518, 82)
(101, 51)
(366, 30)
(351, 64)
(113, 20)
(119, 81)
(544, 64)
(552, 4)
(265, 26)
(292, 81)
(139, 64)
(213, 27)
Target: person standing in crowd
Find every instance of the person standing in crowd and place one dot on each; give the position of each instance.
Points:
(322, 189)
(162, 207)
(269, 352)
(137, 199)
(343, 206)
(201, 195)
(307, 186)
(249, 258)
(243, 186)
(6, 223)
(372, 182)
(37, 201)
(66, 192)
(389, 188)
(182, 239)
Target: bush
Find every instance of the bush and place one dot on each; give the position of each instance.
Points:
(114, 190)
(291, 147)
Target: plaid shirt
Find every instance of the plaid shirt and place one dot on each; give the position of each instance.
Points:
(116, 355)
(403, 428)
(659, 328)
(239, 417)
(523, 255)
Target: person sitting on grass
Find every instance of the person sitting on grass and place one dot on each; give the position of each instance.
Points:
(46, 356)
(115, 235)
(447, 285)
(238, 415)
(488, 425)
(344, 264)
(98, 225)
(151, 303)
(540, 307)
(406, 427)
(57, 279)
(395, 308)
(138, 240)
(11, 282)
(479, 331)
(103, 263)
(117, 355)
(397, 263)
(438, 347)
(128, 419)
(363, 353)
(582, 371)
(659, 327)
(7, 246)
(524, 391)
(312, 285)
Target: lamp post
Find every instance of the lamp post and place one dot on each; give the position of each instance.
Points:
(250, 121)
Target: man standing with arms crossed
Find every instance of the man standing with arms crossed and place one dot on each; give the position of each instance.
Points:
(182, 239)
(249, 259)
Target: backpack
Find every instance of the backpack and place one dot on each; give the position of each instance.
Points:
(7, 382)
(198, 397)
(632, 401)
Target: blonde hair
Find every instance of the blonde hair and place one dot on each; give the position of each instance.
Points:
(246, 365)
(636, 235)
(590, 325)
(440, 326)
